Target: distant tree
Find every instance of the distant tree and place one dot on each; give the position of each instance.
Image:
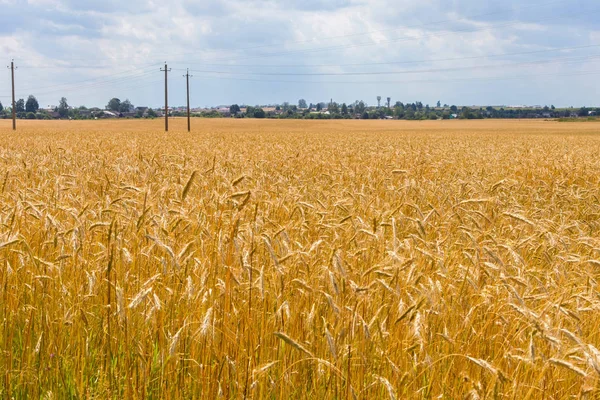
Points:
(125, 106)
(302, 103)
(439, 104)
(583, 112)
(259, 113)
(552, 107)
(114, 104)
(63, 107)
(75, 114)
(83, 108)
(30, 115)
(467, 113)
(1, 107)
(285, 106)
(360, 107)
(399, 111)
(334, 108)
(344, 109)
(234, 109)
(32, 105)
(151, 113)
(454, 109)
(20, 105)
(319, 108)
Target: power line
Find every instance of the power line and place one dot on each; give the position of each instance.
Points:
(132, 83)
(530, 52)
(94, 81)
(304, 82)
(416, 71)
(402, 62)
(130, 78)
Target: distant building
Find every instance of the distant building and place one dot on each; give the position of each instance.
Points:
(592, 113)
(224, 111)
(109, 114)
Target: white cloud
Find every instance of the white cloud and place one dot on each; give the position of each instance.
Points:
(128, 36)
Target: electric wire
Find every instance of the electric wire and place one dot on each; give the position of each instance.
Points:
(556, 49)
(416, 71)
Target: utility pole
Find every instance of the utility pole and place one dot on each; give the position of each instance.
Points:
(187, 82)
(14, 110)
(166, 70)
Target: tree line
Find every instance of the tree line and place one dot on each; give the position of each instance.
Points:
(30, 109)
(406, 111)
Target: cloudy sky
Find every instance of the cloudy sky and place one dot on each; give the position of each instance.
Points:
(464, 52)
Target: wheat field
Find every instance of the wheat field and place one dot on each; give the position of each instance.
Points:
(302, 260)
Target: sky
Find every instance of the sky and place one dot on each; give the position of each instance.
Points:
(463, 52)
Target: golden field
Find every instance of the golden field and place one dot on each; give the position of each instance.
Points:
(302, 260)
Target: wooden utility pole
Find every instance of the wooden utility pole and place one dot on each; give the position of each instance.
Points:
(14, 109)
(166, 98)
(187, 82)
